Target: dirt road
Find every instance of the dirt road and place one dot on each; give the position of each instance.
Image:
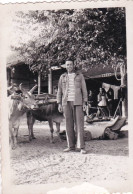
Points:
(40, 162)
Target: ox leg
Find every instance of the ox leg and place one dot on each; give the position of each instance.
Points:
(15, 133)
(32, 134)
(30, 123)
(51, 130)
(58, 131)
(11, 136)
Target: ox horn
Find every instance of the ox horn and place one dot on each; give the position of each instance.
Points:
(32, 90)
(20, 86)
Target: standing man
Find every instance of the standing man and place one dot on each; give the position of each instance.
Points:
(71, 99)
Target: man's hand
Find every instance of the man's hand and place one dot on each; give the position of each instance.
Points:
(84, 107)
(60, 108)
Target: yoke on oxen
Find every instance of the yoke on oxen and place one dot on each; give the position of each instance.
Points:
(45, 98)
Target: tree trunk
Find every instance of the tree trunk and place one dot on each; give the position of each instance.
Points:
(39, 82)
(50, 87)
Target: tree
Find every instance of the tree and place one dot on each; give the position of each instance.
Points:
(93, 37)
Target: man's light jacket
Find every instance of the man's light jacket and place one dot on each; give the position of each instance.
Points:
(80, 89)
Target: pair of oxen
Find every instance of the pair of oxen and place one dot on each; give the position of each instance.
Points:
(20, 102)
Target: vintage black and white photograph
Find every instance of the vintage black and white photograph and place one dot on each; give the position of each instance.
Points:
(67, 94)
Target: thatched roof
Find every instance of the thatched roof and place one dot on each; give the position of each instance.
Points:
(14, 58)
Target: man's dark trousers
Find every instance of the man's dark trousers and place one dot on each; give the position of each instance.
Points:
(74, 124)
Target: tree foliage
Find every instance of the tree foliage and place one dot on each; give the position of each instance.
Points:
(93, 37)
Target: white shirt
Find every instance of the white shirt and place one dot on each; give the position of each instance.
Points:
(71, 87)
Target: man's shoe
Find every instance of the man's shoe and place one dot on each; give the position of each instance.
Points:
(83, 151)
(68, 149)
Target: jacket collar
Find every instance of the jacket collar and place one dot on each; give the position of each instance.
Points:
(66, 74)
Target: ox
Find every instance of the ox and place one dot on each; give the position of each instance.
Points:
(45, 112)
(19, 102)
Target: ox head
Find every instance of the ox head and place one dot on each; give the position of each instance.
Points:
(13, 89)
(28, 99)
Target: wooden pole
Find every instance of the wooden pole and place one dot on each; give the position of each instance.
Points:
(39, 82)
(9, 77)
(123, 82)
(50, 87)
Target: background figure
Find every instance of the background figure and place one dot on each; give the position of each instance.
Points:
(90, 103)
(110, 97)
(55, 90)
(102, 103)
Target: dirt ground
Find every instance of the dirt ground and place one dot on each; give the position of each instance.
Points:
(40, 162)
